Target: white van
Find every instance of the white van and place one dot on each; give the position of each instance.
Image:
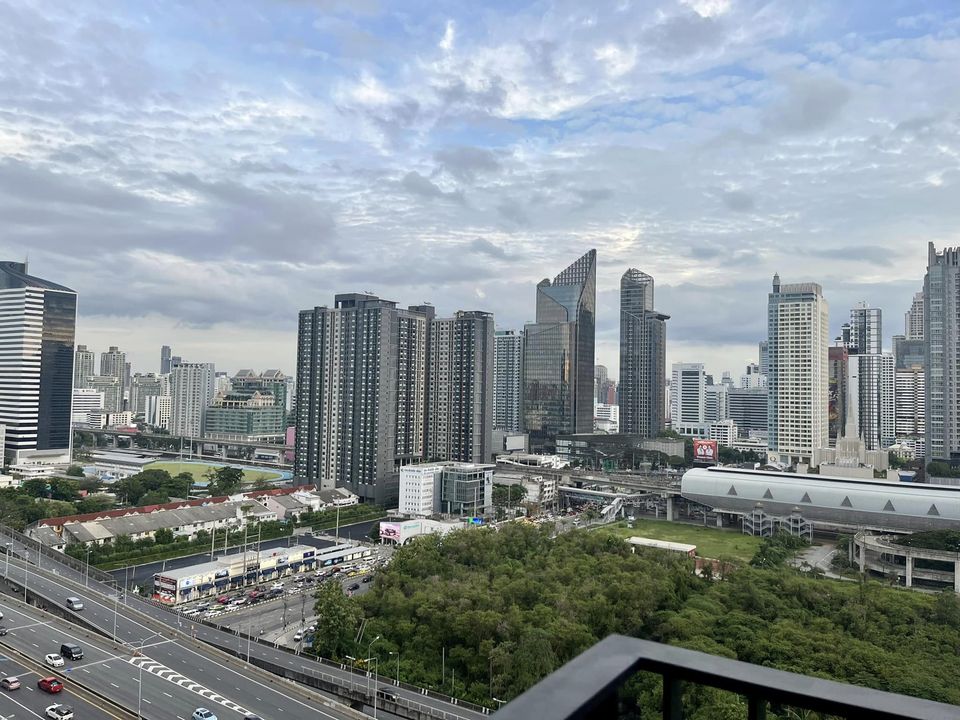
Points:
(74, 603)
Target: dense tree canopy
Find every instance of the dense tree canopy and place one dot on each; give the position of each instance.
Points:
(486, 613)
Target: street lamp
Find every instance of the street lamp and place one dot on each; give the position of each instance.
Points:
(369, 647)
(26, 558)
(86, 578)
(397, 653)
(6, 572)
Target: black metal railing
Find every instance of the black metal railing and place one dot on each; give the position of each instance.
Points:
(588, 686)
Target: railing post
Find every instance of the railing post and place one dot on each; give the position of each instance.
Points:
(672, 698)
(756, 708)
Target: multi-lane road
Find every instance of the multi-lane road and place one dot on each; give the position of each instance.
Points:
(189, 655)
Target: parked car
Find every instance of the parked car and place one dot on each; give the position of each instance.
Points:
(53, 660)
(223, 600)
(240, 601)
(50, 685)
(75, 603)
(202, 606)
(59, 712)
(10, 683)
(203, 714)
(276, 587)
(354, 587)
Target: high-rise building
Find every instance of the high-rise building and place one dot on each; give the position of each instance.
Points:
(716, 402)
(871, 380)
(941, 335)
(112, 391)
(600, 377)
(192, 387)
(508, 381)
(420, 489)
(643, 352)
(913, 319)
(688, 383)
(39, 320)
(748, 409)
(429, 312)
(245, 417)
(360, 395)
(274, 382)
(82, 366)
(157, 411)
(909, 405)
(174, 361)
(838, 364)
(866, 330)
(558, 355)
(113, 362)
(460, 413)
(165, 359)
(798, 333)
(144, 386)
(908, 353)
(763, 360)
(86, 401)
(753, 378)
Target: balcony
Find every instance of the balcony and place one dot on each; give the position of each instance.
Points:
(587, 687)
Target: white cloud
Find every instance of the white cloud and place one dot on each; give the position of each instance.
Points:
(708, 8)
(449, 36)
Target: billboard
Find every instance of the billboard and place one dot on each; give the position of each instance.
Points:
(390, 531)
(705, 451)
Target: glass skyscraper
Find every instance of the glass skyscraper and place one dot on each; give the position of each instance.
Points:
(643, 352)
(941, 336)
(36, 365)
(558, 355)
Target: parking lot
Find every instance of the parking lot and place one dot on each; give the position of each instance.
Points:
(282, 612)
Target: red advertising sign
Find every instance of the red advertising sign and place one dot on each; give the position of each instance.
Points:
(705, 451)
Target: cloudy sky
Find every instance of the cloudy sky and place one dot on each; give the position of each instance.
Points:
(199, 171)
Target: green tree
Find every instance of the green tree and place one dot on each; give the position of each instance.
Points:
(36, 487)
(338, 618)
(75, 471)
(93, 503)
(63, 489)
(224, 480)
(129, 490)
(154, 497)
(163, 536)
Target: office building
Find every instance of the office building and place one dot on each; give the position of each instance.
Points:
(360, 395)
(82, 367)
(764, 361)
(913, 318)
(111, 388)
(174, 361)
(144, 386)
(272, 382)
(36, 366)
(192, 388)
(86, 401)
(508, 381)
(606, 418)
(460, 410)
(716, 405)
(753, 378)
(871, 382)
(113, 364)
(837, 364)
(466, 489)
(245, 417)
(798, 324)
(600, 377)
(941, 335)
(558, 352)
(165, 359)
(688, 385)
(865, 330)
(420, 489)
(643, 348)
(725, 432)
(747, 408)
(157, 411)
(908, 353)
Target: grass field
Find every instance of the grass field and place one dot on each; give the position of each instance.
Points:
(198, 469)
(710, 542)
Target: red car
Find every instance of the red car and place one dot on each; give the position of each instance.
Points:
(223, 599)
(50, 684)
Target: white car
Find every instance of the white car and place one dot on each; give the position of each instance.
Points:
(59, 712)
(277, 586)
(202, 714)
(53, 660)
(298, 636)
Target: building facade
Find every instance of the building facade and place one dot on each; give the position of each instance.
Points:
(245, 417)
(871, 377)
(420, 489)
(508, 381)
(747, 407)
(558, 355)
(36, 366)
(192, 387)
(361, 368)
(467, 489)
(909, 392)
(838, 359)
(688, 388)
(144, 386)
(913, 318)
(798, 332)
(165, 355)
(460, 411)
(83, 367)
(157, 411)
(86, 401)
(643, 348)
(941, 336)
(866, 330)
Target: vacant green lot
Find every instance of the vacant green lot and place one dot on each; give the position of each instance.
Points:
(198, 469)
(710, 542)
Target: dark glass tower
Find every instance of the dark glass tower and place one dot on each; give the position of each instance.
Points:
(559, 355)
(36, 365)
(643, 347)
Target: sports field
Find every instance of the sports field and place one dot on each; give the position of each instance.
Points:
(710, 542)
(198, 469)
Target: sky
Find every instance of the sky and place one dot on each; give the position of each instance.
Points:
(200, 171)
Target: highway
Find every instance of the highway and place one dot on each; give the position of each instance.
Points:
(189, 655)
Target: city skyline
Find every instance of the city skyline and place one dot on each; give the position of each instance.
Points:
(711, 143)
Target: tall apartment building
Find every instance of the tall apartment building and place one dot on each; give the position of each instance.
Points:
(763, 358)
(941, 335)
(165, 355)
(39, 320)
(871, 380)
(112, 390)
(360, 395)
(753, 378)
(460, 413)
(716, 402)
(83, 367)
(866, 330)
(144, 386)
(192, 387)
(113, 364)
(913, 318)
(909, 404)
(558, 355)
(688, 384)
(643, 348)
(508, 381)
(157, 411)
(798, 333)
